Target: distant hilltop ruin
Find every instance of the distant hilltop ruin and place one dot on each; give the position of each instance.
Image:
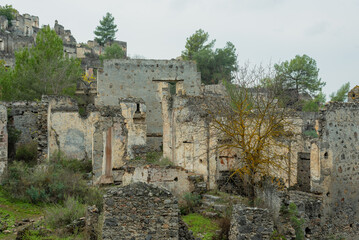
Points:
(21, 32)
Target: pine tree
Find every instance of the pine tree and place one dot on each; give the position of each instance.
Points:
(107, 30)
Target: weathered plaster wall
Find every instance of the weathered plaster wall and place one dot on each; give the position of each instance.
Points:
(100, 136)
(140, 211)
(145, 79)
(3, 139)
(191, 142)
(69, 132)
(338, 154)
(188, 139)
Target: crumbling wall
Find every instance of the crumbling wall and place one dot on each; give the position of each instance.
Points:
(250, 223)
(175, 179)
(100, 136)
(134, 112)
(188, 139)
(3, 139)
(69, 42)
(140, 211)
(145, 79)
(25, 25)
(338, 154)
(69, 133)
(29, 119)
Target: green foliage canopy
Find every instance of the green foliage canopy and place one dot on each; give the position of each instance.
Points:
(341, 94)
(214, 65)
(5, 82)
(107, 29)
(114, 51)
(9, 12)
(41, 70)
(314, 104)
(300, 73)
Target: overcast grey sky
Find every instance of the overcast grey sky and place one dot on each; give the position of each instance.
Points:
(263, 31)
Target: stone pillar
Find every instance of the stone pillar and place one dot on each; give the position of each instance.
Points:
(3, 139)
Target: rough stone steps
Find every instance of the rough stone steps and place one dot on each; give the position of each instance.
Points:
(211, 207)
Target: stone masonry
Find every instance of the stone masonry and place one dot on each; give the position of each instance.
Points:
(339, 167)
(140, 211)
(250, 223)
(3, 139)
(146, 79)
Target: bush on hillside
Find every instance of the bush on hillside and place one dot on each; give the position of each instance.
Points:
(50, 182)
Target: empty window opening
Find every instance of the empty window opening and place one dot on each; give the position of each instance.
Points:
(172, 86)
(138, 110)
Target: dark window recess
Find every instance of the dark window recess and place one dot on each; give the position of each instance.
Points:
(303, 172)
(172, 86)
(138, 108)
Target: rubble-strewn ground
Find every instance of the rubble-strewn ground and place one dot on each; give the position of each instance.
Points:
(27, 220)
(14, 215)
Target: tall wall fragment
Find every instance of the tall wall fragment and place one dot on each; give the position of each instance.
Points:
(3, 139)
(338, 152)
(146, 79)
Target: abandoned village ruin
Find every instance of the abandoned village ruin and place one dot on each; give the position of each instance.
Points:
(139, 106)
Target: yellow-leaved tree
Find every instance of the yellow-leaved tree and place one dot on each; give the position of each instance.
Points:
(254, 126)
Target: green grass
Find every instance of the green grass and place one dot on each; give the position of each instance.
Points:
(200, 225)
(36, 235)
(12, 210)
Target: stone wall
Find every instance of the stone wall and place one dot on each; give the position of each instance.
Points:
(30, 119)
(146, 79)
(250, 223)
(175, 179)
(191, 142)
(3, 139)
(69, 42)
(134, 112)
(338, 154)
(140, 211)
(188, 139)
(101, 135)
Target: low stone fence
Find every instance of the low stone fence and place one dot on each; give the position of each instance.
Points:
(140, 211)
(250, 223)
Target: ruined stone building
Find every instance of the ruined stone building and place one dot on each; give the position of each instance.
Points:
(17, 34)
(147, 79)
(21, 32)
(157, 105)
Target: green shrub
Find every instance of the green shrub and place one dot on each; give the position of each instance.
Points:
(27, 152)
(15, 179)
(49, 183)
(297, 222)
(189, 202)
(225, 225)
(156, 158)
(59, 215)
(311, 133)
(153, 157)
(277, 236)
